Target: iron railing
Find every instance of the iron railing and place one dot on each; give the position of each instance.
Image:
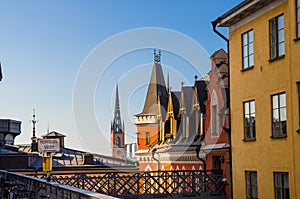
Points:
(196, 183)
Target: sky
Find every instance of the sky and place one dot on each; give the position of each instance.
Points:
(64, 59)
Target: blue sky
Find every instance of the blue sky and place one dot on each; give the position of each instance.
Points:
(43, 45)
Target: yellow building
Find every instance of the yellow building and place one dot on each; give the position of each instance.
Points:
(264, 97)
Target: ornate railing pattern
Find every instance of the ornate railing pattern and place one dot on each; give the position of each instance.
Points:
(146, 184)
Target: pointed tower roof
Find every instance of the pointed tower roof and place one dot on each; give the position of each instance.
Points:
(117, 122)
(157, 87)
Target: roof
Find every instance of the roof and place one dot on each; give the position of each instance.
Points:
(157, 87)
(240, 11)
(175, 102)
(53, 134)
(74, 158)
(201, 94)
(186, 99)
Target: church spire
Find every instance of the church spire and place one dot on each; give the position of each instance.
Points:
(117, 122)
(156, 87)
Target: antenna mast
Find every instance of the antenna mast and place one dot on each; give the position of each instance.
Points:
(33, 121)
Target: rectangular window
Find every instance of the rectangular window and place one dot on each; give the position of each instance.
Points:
(248, 49)
(147, 138)
(279, 115)
(249, 120)
(298, 18)
(281, 185)
(251, 185)
(277, 37)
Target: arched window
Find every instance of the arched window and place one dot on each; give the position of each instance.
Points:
(214, 119)
(118, 142)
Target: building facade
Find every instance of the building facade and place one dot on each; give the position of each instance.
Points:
(264, 91)
(216, 128)
(189, 130)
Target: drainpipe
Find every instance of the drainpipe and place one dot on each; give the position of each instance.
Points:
(201, 159)
(228, 130)
(158, 163)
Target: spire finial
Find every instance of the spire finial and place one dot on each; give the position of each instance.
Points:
(158, 57)
(117, 123)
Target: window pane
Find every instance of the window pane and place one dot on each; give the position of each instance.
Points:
(272, 25)
(298, 14)
(246, 108)
(246, 62)
(298, 3)
(252, 119)
(245, 39)
(286, 180)
(273, 52)
(251, 60)
(273, 39)
(282, 114)
(251, 48)
(282, 100)
(275, 101)
(280, 22)
(298, 29)
(245, 51)
(280, 36)
(252, 107)
(250, 36)
(281, 49)
(275, 115)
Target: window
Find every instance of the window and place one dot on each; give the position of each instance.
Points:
(147, 138)
(281, 185)
(276, 37)
(249, 120)
(214, 115)
(251, 184)
(248, 49)
(279, 115)
(216, 165)
(118, 142)
(298, 18)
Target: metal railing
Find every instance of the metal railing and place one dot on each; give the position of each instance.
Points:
(189, 183)
(13, 185)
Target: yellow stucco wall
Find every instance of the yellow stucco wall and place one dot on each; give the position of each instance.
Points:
(265, 155)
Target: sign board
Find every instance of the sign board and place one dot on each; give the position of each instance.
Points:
(48, 145)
